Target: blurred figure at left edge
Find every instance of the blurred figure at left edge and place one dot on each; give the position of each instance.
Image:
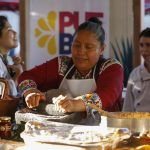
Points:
(8, 41)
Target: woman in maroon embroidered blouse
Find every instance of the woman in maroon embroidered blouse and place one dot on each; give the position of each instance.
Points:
(87, 76)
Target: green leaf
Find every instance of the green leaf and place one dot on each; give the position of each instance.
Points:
(123, 52)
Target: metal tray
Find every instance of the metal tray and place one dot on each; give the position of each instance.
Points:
(141, 123)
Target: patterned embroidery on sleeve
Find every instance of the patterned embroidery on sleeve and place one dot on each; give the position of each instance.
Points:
(26, 85)
(92, 98)
(63, 62)
(108, 63)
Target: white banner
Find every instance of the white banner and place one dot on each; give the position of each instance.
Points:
(51, 25)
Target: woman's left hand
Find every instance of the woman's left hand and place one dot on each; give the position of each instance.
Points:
(71, 105)
(67, 105)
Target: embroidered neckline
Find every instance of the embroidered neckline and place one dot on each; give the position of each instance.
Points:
(77, 75)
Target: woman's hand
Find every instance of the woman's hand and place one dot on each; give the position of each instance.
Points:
(17, 60)
(71, 105)
(33, 98)
(16, 67)
(67, 105)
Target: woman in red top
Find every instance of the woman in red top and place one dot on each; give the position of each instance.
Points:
(87, 76)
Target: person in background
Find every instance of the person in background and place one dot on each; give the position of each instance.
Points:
(137, 95)
(8, 40)
(87, 76)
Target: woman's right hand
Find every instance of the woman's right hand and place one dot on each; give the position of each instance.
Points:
(33, 98)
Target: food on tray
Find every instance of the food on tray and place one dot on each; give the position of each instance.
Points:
(120, 134)
(134, 141)
(70, 134)
(59, 132)
(62, 133)
(145, 134)
(122, 115)
(143, 147)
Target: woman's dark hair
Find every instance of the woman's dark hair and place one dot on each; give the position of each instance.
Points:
(145, 33)
(93, 25)
(3, 21)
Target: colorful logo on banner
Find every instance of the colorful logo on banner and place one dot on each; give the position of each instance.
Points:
(46, 27)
